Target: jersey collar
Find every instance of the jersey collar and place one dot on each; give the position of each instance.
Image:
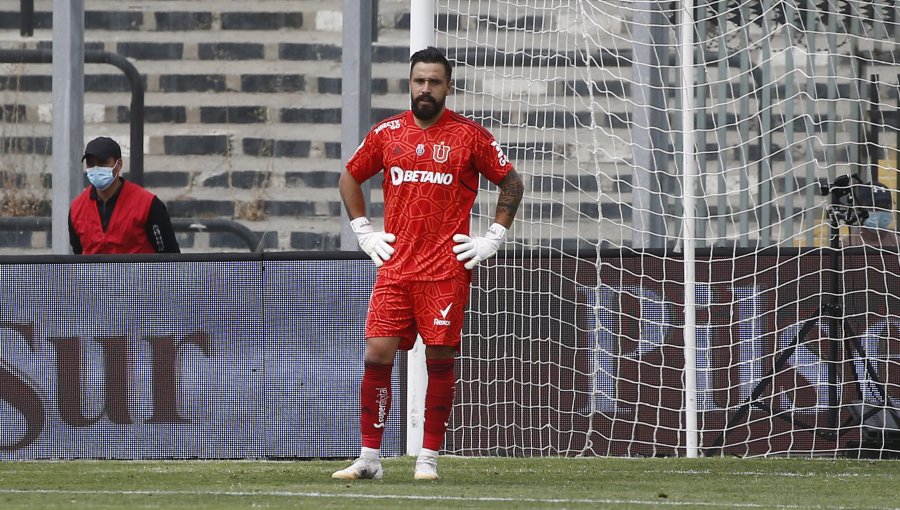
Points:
(411, 119)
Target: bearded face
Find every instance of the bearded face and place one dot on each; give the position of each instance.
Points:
(427, 107)
(428, 90)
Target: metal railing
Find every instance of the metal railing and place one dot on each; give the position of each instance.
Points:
(136, 165)
(43, 224)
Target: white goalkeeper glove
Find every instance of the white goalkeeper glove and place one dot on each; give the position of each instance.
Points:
(476, 249)
(377, 245)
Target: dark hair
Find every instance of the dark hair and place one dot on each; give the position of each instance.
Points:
(431, 55)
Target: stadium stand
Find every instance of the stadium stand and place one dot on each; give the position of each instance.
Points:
(242, 111)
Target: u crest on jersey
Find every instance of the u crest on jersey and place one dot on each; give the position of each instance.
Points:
(440, 152)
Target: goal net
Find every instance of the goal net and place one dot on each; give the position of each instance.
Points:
(733, 226)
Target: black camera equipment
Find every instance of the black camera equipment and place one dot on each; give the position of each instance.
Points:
(844, 204)
(842, 209)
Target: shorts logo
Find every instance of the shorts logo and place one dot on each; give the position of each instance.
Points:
(443, 321)
(440, 153)
(420, 149)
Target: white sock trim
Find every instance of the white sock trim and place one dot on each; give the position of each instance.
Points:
(425, 453)
(370, 453)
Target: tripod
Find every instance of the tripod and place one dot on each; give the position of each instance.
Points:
(840, 210)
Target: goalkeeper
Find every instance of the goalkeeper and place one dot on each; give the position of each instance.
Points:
(431, 159)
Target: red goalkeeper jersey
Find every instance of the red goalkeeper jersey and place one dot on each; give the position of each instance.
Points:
(430, 183)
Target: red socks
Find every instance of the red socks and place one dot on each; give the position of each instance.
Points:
(374, 403)
(438, 401)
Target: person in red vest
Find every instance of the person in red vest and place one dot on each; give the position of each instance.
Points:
(113, 215)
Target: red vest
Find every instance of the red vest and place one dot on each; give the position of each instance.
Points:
(126, 232)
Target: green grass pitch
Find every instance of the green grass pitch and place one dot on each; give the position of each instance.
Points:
(572, 483)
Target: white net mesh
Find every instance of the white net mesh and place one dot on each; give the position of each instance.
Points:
(575, 336)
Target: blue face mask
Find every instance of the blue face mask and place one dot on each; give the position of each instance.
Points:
(878, 219)
(101, 177)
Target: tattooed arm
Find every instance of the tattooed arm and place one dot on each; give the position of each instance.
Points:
(511, 189)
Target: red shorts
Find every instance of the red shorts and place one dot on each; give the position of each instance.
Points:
(404, 309)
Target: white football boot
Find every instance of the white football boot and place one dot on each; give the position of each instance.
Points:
(366, 467)
(426, 465)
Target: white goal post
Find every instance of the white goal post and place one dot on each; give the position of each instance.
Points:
(684, 276)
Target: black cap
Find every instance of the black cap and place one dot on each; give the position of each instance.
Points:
(102, 148)
(874, 195)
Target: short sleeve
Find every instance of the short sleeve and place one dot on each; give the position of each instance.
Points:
(489, 158)
(367, 160)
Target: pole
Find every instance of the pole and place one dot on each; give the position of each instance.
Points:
(651, 53)
(356, 92)
(689, 167)
(421, 35)
(68, 115)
